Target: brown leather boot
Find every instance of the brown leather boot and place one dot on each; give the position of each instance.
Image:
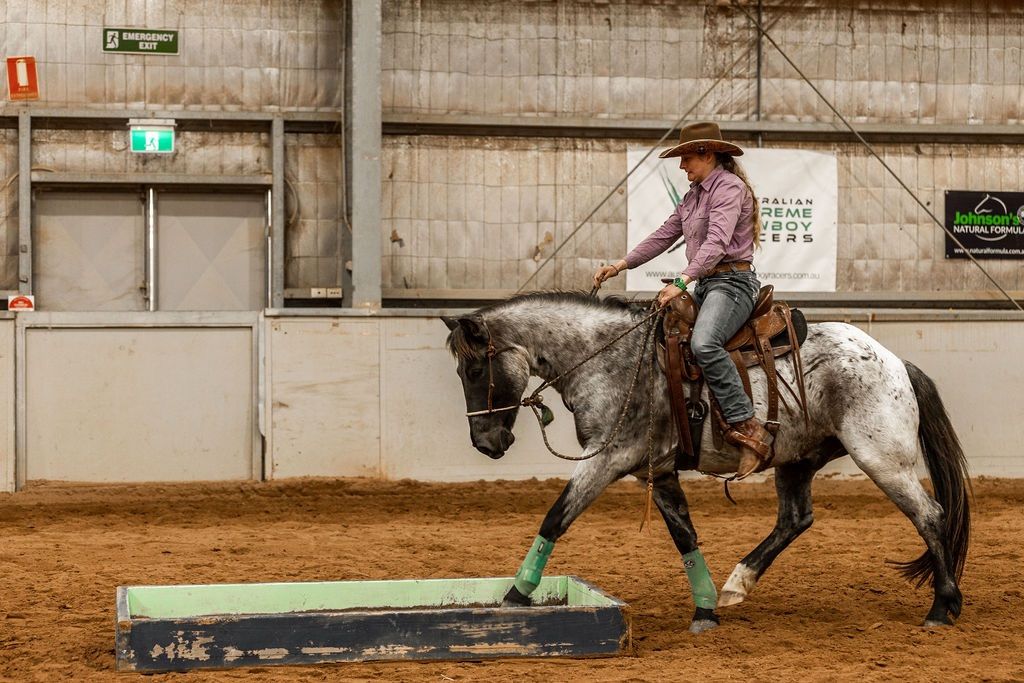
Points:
(754, 443)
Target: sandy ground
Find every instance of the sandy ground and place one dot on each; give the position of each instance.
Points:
(829, 609)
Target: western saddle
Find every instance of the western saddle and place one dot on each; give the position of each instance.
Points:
(772, 330)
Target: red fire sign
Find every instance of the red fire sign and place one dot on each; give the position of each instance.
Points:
(22, 83)
(21, 302)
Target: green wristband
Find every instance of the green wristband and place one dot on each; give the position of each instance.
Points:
(680, 283)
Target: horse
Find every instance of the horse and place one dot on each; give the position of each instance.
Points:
(862, 400)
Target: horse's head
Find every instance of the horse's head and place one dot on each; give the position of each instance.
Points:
(494, 376)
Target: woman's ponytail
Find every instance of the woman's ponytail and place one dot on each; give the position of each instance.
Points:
(729, 163)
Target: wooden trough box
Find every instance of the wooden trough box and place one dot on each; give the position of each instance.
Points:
(176, 628)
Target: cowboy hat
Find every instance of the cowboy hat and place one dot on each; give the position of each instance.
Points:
(701, 138)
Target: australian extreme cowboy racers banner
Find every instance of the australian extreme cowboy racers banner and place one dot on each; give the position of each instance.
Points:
(988, 224)
(798, 193)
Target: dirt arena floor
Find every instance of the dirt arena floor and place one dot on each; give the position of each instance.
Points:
(830, 608)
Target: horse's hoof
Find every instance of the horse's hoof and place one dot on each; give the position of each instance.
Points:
(730, 598)
(701, 625)
(931, 623)
(515, 599)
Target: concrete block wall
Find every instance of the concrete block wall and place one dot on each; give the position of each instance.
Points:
(8, 209)
(316, 230)
(923, 61)
(465, 212)
(478, 213)
(926, 61)
(198, 153)
(604, 59)
(234, 54)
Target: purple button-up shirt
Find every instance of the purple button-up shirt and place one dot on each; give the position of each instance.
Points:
(717, 218)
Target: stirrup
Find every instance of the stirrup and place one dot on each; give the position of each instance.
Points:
(760, 448)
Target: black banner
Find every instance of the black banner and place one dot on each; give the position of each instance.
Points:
(988, 224)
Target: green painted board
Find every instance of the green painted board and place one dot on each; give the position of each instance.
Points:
(169, 628)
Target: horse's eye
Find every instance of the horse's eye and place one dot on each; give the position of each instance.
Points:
(474, 374)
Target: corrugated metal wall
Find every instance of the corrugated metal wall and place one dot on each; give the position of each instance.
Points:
(472, 212)
(235, 55)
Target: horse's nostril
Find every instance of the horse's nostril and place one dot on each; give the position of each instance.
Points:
(506, 438)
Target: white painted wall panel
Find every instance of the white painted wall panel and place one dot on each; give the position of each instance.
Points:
(425, 431)
(323, 397)
(143, 404)
(7, 393)
(326, 429)
(976, 367)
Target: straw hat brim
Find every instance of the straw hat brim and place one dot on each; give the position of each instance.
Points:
(709, 145)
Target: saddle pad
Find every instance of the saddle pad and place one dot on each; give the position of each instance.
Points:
(799, 326)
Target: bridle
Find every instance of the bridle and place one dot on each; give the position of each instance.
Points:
(535, 401)
(493, 351)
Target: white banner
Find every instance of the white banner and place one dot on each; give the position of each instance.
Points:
(798, 193)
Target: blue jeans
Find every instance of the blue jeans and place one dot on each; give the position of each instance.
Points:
(726, 301)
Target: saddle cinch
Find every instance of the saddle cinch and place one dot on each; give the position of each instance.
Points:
(773, 330)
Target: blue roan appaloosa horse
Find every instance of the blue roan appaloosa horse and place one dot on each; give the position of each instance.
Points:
(863, 401)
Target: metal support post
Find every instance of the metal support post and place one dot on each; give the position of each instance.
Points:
(151, 279)
(24, 203)
(363, 133)
(275, 291)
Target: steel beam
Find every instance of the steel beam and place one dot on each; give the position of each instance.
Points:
(512, 126)
(206, 181)
(974, 299)
(110, 119)
(363, 133)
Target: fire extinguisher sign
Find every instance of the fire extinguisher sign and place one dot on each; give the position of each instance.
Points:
(22, 83)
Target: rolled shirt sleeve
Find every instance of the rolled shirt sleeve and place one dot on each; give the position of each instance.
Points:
(724, 207)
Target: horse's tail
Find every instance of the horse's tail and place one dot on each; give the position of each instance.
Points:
(947, 468)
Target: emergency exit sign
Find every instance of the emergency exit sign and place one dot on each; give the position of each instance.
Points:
(143, 41)
(152, 140)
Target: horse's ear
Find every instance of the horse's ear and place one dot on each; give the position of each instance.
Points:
(473, 327)
(451, 322)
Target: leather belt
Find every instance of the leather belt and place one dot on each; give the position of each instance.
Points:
(731, 267)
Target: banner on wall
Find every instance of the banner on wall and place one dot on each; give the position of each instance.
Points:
(988, 224)
(798, 194)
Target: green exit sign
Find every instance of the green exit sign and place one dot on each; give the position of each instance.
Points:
(144, 41)
(152, 140)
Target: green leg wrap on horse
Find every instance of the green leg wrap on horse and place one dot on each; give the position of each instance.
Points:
(530, 571)
(703, 588)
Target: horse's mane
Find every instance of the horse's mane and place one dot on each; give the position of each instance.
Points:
(461, 347)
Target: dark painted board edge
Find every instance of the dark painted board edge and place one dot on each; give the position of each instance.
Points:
(261, 640)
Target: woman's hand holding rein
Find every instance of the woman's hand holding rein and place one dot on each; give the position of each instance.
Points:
(606, 272)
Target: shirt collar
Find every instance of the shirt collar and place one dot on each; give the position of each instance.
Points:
(708, 182)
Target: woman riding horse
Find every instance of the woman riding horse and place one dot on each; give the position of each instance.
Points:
(720, 220)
